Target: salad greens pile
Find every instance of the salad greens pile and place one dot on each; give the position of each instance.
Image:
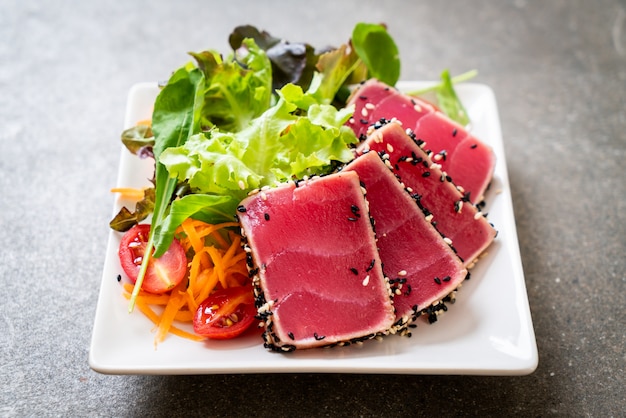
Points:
(270, 112)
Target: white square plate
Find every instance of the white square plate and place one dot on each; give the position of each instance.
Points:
(488, 331)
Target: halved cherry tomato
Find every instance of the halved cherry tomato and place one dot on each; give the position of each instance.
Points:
(226, 313)
(163, 273)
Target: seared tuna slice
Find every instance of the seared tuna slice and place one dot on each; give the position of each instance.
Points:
(454, 216)
(375, 101)
(465, 158)
(318, 276)
(420, 265)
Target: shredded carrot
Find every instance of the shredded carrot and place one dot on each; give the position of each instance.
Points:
(216, 259)
(129, 193)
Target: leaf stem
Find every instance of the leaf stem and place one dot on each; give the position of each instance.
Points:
(468, 75)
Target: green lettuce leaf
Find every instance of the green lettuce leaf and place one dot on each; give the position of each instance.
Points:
(238, 89)
(287, 142)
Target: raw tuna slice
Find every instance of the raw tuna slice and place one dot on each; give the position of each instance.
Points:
(468, 161)
(453, 215)
(318, 276)
(417, 260)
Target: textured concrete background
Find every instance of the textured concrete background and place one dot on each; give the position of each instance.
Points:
(558, 69)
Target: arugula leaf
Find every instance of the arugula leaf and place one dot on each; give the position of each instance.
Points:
(447, 98)
(449, 102)
(379, 52)
(204, 207)
(176, 115)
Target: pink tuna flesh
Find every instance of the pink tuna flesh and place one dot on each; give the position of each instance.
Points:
(412, 251)
(454, 216)
(318, 267)
(471, 166)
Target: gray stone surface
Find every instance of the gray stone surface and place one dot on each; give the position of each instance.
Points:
(558, 69)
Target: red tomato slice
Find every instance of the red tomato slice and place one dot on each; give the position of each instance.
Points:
(163, 273)
(226, 313)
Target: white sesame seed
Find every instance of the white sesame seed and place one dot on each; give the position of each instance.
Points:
(389, 147)
(448, 241)
(366, 280)
(402, 273)
(478, 214)
(370, 106)
(364, 112)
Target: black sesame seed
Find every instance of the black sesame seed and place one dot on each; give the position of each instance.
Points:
(446, 279)
(364, 121)
(363, 97)
(351, 219)
(241, 208)
(266, 216)
(290, 334)
(318, 337)
(371, 266)
(473, 146)
(119, 277)
(353, 270)
(437, 280)
(454, 132)
(426, 174)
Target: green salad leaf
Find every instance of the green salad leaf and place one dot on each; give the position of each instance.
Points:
(449, 102)
(379, 52)
(237, 89)
(292, 62)
(126, 219)
(176, 115)
(278, 146)
(447, 99)
(139, 140)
